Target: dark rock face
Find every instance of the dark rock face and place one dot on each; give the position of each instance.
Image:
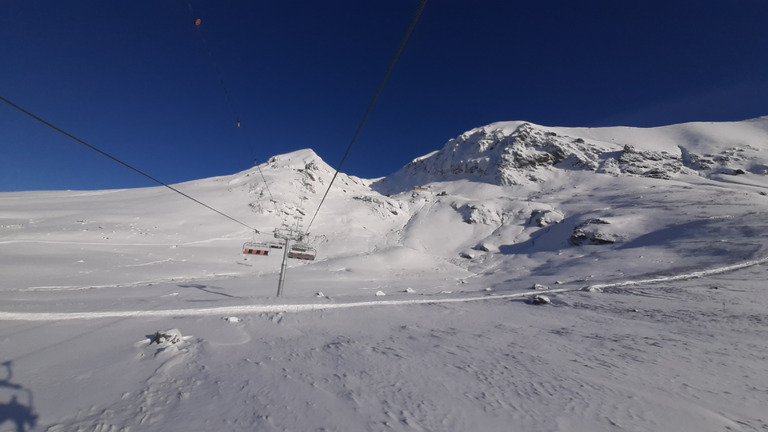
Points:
(660, 165)
(589, 233)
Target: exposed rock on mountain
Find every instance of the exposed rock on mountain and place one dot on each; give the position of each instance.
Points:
(654, 164)
(516, 153)
(500, 157)
(544, 218)
(590, 232)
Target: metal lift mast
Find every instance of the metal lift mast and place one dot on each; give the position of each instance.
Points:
(287, 235)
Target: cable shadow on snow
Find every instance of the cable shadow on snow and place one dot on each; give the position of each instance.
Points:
(21, 415)
(207, 289)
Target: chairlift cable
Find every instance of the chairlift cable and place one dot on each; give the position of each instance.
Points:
(211, 57)
(197, 23)
(69, 135)
(370, 106)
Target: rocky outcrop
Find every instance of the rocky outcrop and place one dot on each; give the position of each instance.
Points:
(523, 153)
(592, 232)
(544, 218)
(654, 164)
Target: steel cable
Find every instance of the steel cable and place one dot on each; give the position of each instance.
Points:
(102, 152)
(370, 106)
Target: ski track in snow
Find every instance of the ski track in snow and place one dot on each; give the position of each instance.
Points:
(309, 307)
(111, 243)
(172, 279)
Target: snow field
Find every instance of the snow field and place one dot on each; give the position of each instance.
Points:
(647, 358)
(670, 335)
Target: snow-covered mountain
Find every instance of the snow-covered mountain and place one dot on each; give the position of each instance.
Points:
(512, 153)
(508, 195)
(498, 210)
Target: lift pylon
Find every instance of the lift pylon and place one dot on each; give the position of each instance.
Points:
(300, 250)
(294, 245)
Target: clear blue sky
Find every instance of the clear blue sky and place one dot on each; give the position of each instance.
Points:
(134, 78)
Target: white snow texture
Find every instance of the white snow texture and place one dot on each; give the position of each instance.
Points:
(522, 278)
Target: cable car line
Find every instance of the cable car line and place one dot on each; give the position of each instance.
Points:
(69, 135)
(198, 22)
(370, 106)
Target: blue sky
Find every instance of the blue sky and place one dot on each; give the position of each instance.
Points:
(134, 78)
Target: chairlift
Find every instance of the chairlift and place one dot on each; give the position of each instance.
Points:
(302, 252)
(256, 248)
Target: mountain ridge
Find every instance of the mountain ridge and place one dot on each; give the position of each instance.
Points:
(509, 153)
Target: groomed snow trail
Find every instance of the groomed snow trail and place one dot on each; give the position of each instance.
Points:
(308, 307)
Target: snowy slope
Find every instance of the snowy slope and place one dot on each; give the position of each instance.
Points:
(666, 227)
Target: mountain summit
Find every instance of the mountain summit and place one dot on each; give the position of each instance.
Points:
(513, 153)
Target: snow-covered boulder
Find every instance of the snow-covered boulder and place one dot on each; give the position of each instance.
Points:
(592, 232)
(542, 217)
(486, 214)
(486, 247)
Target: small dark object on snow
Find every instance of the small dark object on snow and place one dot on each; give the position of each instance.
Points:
(540, 300)
(166, 337)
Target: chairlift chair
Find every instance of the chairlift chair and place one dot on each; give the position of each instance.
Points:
(256, 248)
(302, 251)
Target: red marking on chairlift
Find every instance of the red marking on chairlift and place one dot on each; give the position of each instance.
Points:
(256, 252)
(301, 256)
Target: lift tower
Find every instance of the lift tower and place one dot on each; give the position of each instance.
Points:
(287, 235)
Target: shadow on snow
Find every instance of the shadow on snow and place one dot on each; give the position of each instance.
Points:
(16, 412)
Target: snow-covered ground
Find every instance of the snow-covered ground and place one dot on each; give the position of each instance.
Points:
(135, 310)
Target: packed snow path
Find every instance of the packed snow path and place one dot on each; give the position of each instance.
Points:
(685, 355)
(307, 307)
